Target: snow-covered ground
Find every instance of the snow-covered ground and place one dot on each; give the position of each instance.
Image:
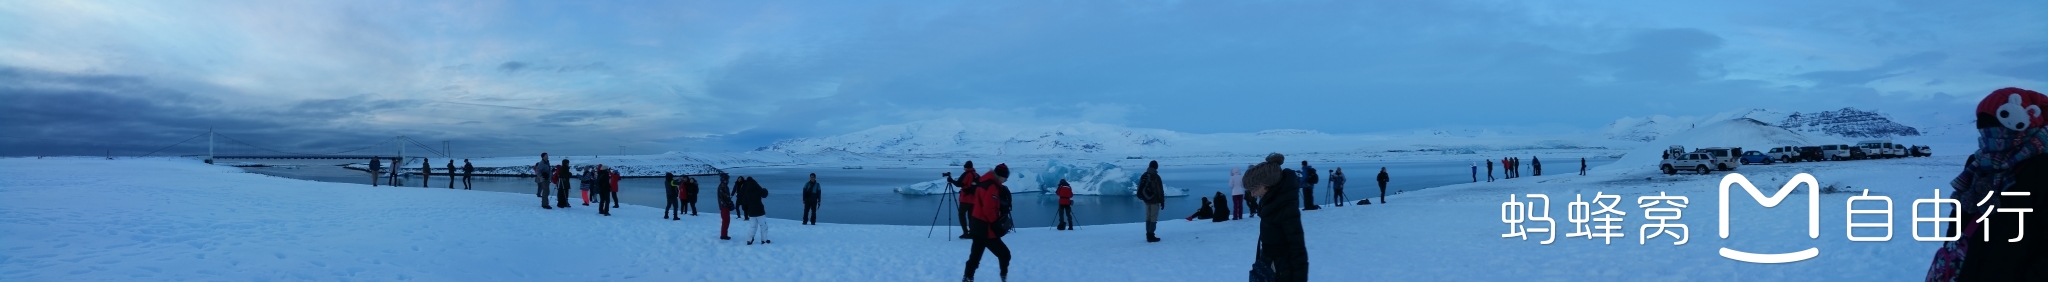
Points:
(177, 219)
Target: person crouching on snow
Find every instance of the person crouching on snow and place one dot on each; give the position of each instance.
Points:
(1204, 212)
(1282, 253)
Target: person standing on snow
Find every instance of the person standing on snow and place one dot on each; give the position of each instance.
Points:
(451, 174)
(540, 178)
(562, 184)
(1236, 194)
(990, 222)
(1153, 192)
(811, 197)
(588, 178)
(1308, 187)
(1282, 251)
(1536, 164)
(467, 172)
(1065, 215)
(1475, 172)
(394, 171)
(669, 186)
(690, 188)
(1582, 166)
(966, 185)
(1489, 170)
(1337, 187)
(750, 201)
(2011, 158)
(614, 187)
(426, 172)
(724, 205)
(603, 184)
(375, 166)
(1383, 185)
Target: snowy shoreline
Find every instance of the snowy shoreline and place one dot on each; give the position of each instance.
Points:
(179, 219)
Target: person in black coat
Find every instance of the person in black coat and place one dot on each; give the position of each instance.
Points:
(1222, 204)
(426, 172)
(467, 172)
(1383, 185)
(1999, 260)
(812, 194)
(1205, 212)
(669, 185)
(750, 201)
(375, 166)
(690, 195)
(451, 173)
(1282, 248)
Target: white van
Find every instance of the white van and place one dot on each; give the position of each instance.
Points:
(1834, 152)
(1879, 149)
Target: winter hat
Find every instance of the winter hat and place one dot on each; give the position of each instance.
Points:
(2011, 108)
(969, 165)
(1265, 173)
(1002, 170)
(1153, 165)
(1063, 182)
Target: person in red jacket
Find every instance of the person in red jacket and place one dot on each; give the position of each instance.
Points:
(988, 222)
(614, 196)
(966, 184)
(1066, 213)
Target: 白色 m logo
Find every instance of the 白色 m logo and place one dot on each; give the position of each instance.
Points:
(1812, 216)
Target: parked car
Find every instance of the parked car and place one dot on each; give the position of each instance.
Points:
(1697, 162)
(1785, 154)
(1675, 151)
(1810, 153)
(1725, 158)
(1879, 149)
(1835, 152)
(1754, 157)
(1922, 151)
(1856, 153)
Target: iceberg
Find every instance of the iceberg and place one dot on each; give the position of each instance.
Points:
(1020, 182)
(1102, 178)
(1099, 179)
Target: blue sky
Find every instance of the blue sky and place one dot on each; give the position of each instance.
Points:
(508, 78)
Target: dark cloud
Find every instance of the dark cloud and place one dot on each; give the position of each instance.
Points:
(50, 113)
(578, 117)
(511, 66)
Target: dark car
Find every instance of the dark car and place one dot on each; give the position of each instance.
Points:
(1810, 153)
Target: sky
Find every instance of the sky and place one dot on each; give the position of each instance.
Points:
(498, 78)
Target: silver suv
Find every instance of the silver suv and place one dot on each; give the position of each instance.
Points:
(1697, 162)
(1724, 158)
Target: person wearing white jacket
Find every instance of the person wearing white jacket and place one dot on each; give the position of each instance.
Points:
(1236, 195)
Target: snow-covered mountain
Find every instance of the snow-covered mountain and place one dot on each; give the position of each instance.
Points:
(951, 136)
(1845, 123)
